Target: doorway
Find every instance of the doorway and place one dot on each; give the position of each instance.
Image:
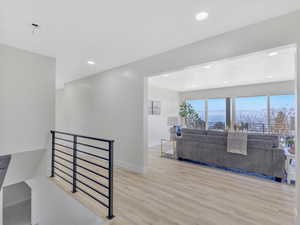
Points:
(253, 93)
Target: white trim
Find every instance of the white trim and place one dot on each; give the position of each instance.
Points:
(155, 145)
(1, 206)
(129, 166)
(297, 135)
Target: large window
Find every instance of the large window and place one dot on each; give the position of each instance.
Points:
(251, 113)
(275, 114)
(216, 113)
(282, 114)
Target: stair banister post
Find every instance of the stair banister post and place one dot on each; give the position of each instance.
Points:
(110, 181)
(52, 153)
(74, 163)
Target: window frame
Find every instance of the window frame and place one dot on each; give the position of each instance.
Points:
(233, 113)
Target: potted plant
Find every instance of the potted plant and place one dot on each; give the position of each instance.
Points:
(190, 116)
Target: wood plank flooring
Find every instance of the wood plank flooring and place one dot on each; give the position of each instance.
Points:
(173, 192)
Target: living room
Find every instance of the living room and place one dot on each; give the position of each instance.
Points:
(226, 137)
(236, 114)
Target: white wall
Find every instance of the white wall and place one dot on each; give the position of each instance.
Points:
(51, 205)
(60, 116)
(107, 105)
(26, 165)
(157, 124)
(27, 92)
(276, 88)
(15, 194)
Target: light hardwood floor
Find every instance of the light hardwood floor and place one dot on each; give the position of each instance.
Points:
(173, 192)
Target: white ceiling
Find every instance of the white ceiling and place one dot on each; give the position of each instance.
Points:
(261, 67)
(114, 33)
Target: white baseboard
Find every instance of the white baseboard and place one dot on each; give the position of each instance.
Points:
(154, 145)
(129, 166)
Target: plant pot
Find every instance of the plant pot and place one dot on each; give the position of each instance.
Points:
(292, 149)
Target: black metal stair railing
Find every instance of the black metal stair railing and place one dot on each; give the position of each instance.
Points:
(71, 153)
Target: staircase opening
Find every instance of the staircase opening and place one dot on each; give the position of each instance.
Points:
(17, 204)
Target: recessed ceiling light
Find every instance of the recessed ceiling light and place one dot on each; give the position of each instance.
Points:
(165, 75)
(270, 77)
(201, 16)
(273, 53)
(91, 62)
(207, 67)
(226, 82)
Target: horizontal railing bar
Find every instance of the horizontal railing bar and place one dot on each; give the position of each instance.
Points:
(63, 158)
(63, 139)
(95, 190)
(63, 146)
(93, 180)
(63, 171)
(63, 178)
(98, 174)
(83, 175)
(93, 197)
(97, 156)
(91, 146)
(92, 163)
(63, 152)
(82, 136)
(84, 190)
(63, 165)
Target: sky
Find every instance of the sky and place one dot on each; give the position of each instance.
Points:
(280, 101)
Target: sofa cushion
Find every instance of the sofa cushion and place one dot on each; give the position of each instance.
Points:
(193, 131)
(272, 140)
(216, 133)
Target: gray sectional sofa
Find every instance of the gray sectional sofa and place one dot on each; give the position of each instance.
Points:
(205, 146)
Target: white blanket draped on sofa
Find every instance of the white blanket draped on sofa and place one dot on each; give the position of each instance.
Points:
(237, 142)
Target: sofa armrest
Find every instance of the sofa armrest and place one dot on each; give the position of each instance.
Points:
(179, 146)
(278, 162)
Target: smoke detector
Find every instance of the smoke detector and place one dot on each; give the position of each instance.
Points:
(35, 28)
